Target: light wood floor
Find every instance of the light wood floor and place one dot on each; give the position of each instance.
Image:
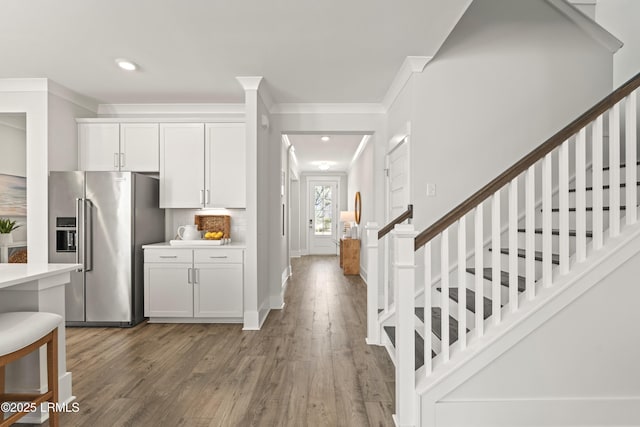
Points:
(308, 366)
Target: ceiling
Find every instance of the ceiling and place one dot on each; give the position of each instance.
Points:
(329, 51)
(338, 151)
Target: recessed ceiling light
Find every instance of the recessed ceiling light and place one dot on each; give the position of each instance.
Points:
(325, 138)
(324, 166)
(125, 64)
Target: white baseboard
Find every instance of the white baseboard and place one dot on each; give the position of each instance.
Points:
(285, 276)
(253, 320)
(195, 320)
(539, 412)
(363, 274)
(296, 254)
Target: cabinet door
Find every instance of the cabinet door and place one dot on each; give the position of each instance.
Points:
(167, 291)
(218, 291)
(139, 147)
(226, 168)
(181, 165)
(98, 146)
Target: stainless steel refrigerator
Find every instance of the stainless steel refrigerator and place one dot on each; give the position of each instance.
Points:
(101, 220)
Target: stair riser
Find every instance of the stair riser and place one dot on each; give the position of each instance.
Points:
(589, 198)
(555, 242)
(522, 264)
(605, 176)
(453, 308)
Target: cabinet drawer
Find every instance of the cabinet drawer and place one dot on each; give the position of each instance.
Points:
(168, 255)
(218, 256)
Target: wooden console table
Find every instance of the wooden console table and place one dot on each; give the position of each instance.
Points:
(350, 256)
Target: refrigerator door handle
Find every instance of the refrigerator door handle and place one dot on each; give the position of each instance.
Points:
(80, 237)
(88, 235)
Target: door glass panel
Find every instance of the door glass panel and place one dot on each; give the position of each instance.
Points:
(323, 209)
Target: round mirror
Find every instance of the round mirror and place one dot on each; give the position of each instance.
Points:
(358, 207)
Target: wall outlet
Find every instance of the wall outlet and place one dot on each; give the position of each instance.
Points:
(431, 190)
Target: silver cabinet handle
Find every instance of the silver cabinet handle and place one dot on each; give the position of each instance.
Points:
(202, 197)
(115, 160)
(188, 275)
(218, 257)
(168, 256)
(197, 275)
(121, 160)
(206, 199)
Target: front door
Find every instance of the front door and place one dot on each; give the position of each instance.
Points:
(323, 217)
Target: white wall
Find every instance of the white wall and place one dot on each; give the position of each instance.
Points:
(361, 178)
(63, 133)
(577, 369)
(621, 18)
(294, 219)
(510, 75)
(13, 161)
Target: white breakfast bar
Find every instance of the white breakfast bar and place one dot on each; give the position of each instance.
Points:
(36, 287)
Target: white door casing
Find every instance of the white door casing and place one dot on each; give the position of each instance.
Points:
(323, 215)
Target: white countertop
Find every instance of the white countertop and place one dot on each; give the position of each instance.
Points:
(15, 274)
(166, 245)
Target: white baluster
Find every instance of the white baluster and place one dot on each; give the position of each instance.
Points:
(563, 195)
(444, 295)
(428, 345)
(495, 259)
(631, 198)
(513, 245)
(530, 220)
(462, 285)
(373, 284)
(479, 265)
(404, 271)
(596, 186)
(547, 223)
(614, 171)
(581, 195)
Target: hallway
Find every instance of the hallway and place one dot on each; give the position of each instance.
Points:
(308, 366)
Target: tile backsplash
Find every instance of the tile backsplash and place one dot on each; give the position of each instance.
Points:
(174, 218)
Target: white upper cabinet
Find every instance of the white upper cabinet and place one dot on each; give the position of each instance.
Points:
(182, 165)
(226, 177)
(118, 147)
(139, 147)
(99, 146)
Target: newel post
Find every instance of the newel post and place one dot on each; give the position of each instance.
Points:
(373, 284)
(404, 271)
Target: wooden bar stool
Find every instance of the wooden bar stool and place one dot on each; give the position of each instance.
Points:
(20, 334)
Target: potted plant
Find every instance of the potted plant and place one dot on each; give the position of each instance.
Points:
(6, 227)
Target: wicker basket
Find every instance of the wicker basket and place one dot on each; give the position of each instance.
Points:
(214, 223)
(18, 257)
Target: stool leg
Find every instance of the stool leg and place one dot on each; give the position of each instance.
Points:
(52, 375)
(1, 389)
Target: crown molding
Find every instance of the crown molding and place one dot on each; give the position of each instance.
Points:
(23, 85)
(587, 25)
(67, 94)
(410, 65)
(207, 111)
(326, 108)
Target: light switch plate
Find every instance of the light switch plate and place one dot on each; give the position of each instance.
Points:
(431, 190)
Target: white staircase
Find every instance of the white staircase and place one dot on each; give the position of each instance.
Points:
(503, 264)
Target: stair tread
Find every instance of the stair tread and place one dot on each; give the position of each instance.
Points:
(419, 355)
(522, 253)
(604, 187)
(471, 300)
(554, 232)
(606, 168)
(436, 325)
(487, 273)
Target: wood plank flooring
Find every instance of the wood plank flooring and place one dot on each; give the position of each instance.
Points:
(308, 366)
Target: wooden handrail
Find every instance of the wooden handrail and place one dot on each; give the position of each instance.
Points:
(527, 161)
(404, 216)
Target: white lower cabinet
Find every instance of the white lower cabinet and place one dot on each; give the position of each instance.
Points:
(208, 287)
